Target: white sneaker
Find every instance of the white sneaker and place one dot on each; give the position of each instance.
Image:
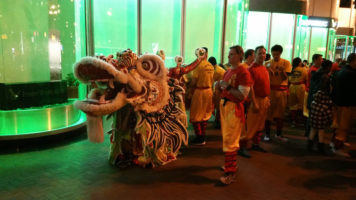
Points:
(266, 138)
(228, 178)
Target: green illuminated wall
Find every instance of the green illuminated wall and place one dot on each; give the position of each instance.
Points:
(115, 26)
(24, 41)
(235, 15)
(203, 27)
(302, 39)
(41, 42)
(161, 28)
(282, 33)
(319, 40)
(257, 30)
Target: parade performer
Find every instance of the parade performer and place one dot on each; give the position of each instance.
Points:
(257, 111)
(297, 81)
(279, 69)
(235, 87)
(176, 75)
(202, 100)
(146, 132)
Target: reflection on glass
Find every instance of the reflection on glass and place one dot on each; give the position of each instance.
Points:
(302, 39)
(234, 25)
(203, 27)
(350, 46)
(161, 28)
(282, 33)
(41, 42)
(340, 47)
(115, 26)
(257, 29)
(319, 39)
(331, 44)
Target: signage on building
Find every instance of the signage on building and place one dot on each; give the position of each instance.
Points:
(319, 22)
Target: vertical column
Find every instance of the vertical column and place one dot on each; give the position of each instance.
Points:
(294, 34)
(327, 44)
(182, 41)
(346, 46)
(89, 30)
(310, 40)
(223, 32)
(139, 26)
(269, 33)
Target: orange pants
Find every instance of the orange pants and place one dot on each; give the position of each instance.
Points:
(256, 120)
(296, 97)
(278, 104)
(202, 106)
(231, 126)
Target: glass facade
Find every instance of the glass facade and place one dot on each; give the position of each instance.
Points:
(203, 27)
(331, 44)
(257, 23)
(318, 41)
(161, 28)
(236, 12)
(115, 26)
(302, 39)
(282, 33)
(340, 49)
(41, 42)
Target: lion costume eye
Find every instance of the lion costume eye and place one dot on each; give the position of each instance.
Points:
(145, 66)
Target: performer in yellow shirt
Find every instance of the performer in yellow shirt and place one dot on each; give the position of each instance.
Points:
(218, 75)
(202, 101)
(297, 81)
(278, 69)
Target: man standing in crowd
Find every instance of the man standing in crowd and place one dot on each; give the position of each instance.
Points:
(278, 69)
(202, 101)
(317, 60)
(344, 96)
(235, 87)
(257, 111)
(249, 58)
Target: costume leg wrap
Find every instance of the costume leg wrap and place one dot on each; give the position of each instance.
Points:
(203, 126)
(230, 162)
(257, 138)
(197, 129)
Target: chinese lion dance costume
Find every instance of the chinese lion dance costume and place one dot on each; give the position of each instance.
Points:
(134, 91)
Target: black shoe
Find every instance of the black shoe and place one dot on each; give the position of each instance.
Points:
(244, 153)
(197, 141)
(257, 147)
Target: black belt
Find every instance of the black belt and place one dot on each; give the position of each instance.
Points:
(225, 100)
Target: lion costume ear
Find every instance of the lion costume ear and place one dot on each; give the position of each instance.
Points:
(152, 67)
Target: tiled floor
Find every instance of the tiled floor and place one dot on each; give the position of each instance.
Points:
(76, 169)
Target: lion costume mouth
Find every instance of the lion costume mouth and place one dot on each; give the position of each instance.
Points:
(110, 86)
